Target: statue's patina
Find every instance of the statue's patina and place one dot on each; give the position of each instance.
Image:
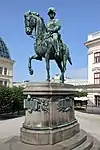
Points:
(48, 43)
(53, 26)
(50, 121)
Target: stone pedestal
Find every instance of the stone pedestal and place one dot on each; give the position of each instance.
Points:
(49, 115)
(50, 122)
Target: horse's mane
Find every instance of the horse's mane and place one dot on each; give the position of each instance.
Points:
(36, 14)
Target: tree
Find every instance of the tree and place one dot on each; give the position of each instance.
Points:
(11, 99)
(81, 94)
(17, 99)
(5, 103)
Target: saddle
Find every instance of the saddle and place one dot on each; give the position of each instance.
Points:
(48, 35)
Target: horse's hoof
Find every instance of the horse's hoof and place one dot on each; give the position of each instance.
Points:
(31, 72)
(48, 80)
(62, 79)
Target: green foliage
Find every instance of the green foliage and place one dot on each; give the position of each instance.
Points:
(11, 99)
(81, 94)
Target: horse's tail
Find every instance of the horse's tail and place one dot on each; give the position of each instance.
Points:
(66, 56)
(69, 59)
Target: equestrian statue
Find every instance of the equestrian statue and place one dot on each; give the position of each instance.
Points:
(47, 41)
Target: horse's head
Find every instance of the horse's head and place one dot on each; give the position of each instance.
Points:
(33, 20)
(30, 21)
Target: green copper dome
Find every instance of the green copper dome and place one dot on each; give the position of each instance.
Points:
(4, 52)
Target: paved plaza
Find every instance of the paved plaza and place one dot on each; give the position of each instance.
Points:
(88, 122)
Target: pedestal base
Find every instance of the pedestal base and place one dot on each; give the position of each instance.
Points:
(80, 141)
(49, 136)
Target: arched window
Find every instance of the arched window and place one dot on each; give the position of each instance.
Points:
(97, 57)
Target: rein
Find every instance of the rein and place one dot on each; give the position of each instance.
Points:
(38, 37)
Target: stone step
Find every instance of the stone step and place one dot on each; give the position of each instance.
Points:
(87, 145)
(95, 148)
(75, 141)
(81, 141)
(96, 144)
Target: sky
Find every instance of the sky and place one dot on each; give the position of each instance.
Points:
(78, 18)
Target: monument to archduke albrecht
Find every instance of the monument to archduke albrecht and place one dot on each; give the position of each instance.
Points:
(50, 121)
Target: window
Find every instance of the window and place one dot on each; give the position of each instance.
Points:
(5, 71)
(97, 78)
(97, 100)
(1, 70)
(1, 82)
(97, 57)
(5, 83)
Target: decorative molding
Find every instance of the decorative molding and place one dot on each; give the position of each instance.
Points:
(88, 43)
(36, 104)
(91, 52)
(93, 69)
(6, 76)
(93, 90)
(5, 60)
(50, 128)
(96, 69)
(65, 104)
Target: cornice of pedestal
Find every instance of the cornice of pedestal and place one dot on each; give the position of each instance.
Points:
(49, 89)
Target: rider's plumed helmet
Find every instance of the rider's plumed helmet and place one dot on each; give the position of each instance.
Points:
(51, 10)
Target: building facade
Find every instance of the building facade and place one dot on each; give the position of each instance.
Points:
(6, 65)
(21, 84)
(74, 82)
(93, 45)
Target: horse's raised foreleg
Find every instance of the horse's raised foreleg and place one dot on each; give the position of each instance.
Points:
(29, 62)
(47, 67)
(30, 66)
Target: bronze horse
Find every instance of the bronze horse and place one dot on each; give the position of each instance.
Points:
(44, 46)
